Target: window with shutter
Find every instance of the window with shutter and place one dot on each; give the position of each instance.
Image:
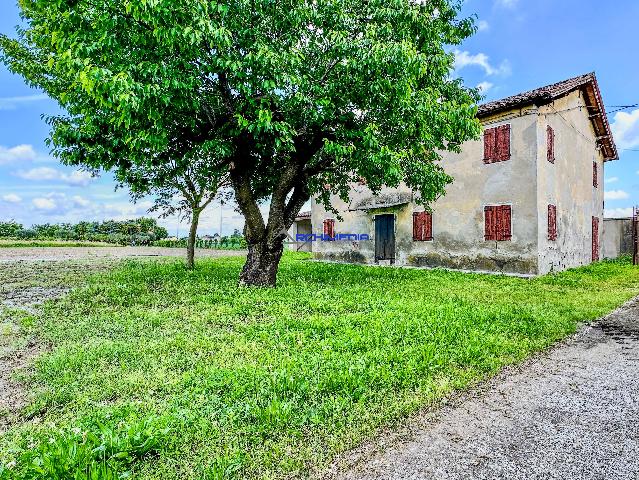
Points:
(595, 182)
(497, 144)
(422, 226)
(552, 222)
(329, 227)
(497, 223)
(550, 142)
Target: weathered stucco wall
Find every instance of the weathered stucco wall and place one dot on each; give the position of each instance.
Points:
(527, 182)
(617, 237)
(568, 184)
(458, 217)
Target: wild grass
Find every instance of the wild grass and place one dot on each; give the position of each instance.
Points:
(265, 383)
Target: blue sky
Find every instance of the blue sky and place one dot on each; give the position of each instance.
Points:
(520, 45)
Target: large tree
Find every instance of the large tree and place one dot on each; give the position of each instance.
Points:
(302, 97)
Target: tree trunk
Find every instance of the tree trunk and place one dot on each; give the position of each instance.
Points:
(190, 247)
(262, 263)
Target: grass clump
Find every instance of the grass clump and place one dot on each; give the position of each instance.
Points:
(265, 383)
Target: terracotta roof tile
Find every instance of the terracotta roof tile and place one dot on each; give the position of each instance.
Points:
(545, 95)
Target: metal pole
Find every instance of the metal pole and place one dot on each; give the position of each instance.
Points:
(221, 216)
(635, 235)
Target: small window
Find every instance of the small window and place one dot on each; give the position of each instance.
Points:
(552, 223)
(329, 227)
(497, 223)
(497, 144)
(595, 180)
(422, 226)
(550, 143)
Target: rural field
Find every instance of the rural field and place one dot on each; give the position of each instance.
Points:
(142, 368)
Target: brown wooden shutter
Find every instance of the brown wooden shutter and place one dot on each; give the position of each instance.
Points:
(552, 222)
(595, 239)
(595, 182)
(490, 143)
(422, 226)
(329, 227)
(550, 141)
(416, 226)
(428, 224)
(503, 142)
(504, 223)
(508, 234)
(489, 223)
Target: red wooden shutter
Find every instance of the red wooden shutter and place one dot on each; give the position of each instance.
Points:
(552, 222)
(489, 223)
(595, 183)
(595, 239)
(550, 141)
(428, 230)
(329, 227)
(505, 233)
(490, 142)
(416, 226)
(422, 226)
(503, 142)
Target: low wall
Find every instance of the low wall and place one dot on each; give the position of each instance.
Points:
(617, 237)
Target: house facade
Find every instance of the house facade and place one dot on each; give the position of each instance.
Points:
(527, 198)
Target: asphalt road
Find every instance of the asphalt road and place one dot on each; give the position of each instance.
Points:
(572, 413)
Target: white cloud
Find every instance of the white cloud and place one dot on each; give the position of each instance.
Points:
(506, 3)
(612, 180)
(77, 178)
(23, 153)
(485, 86)
(625, 129)
(618, 212)
(483, 25)
(11, 103)
(81, 201)
(44, 204)
(465, 59)
(616, 195)
(11, 198)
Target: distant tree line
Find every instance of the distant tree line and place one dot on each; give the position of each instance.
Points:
(140, 231)
(236, 241)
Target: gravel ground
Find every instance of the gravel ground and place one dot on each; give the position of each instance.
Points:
(76, 253)
(572, 413)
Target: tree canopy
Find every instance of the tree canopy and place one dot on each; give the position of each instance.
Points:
(292, 98)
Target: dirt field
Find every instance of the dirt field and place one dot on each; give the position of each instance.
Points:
(78, 253)
(30, 276)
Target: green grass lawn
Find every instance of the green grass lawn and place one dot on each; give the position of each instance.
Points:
(8, 243)
(171, 374)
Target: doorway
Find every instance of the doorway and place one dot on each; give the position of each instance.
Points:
(385, 238)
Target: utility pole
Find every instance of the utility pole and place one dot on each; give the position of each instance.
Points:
(221, 216)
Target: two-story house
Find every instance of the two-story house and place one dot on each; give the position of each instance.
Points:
(527, 198)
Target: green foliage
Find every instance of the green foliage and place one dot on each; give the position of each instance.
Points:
(289, 98)
(141, 231)
(224, 243)
(10, 229)
(272, 382)
(97, 452)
